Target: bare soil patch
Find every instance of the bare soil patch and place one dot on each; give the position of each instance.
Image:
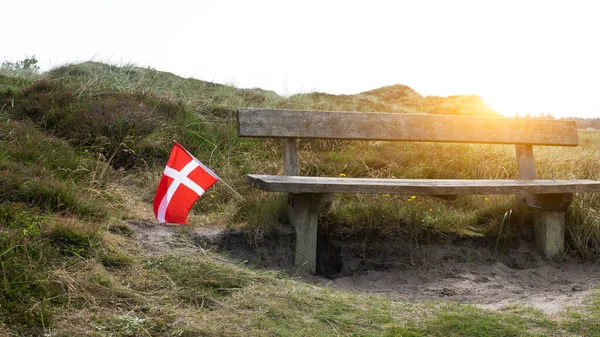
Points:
(465, 273)
(476, 276)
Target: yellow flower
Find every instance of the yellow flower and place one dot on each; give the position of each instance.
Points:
(413, 197)
(212, 196)
(342, 174)
(486, 198)
(431, 209)
(387, 195)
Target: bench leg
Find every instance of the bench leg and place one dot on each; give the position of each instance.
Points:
(303, 213)
(549, 231)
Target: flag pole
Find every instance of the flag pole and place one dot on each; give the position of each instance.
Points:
(232, 190)
(219, 178)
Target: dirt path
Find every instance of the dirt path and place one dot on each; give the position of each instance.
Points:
(444, 272)
(548, 286)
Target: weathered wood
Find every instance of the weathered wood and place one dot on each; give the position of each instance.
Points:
(290, 157)
(303, 213)
(297, 184)
(549, 233)
(309, 196)
(526, 167)
(525, 162)
(558, 202)
(404, 127)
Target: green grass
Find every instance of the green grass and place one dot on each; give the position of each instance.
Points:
(82, 147)
(46, 172)
(216, 299)
(240, 301)
(219, 299)
(24, 268)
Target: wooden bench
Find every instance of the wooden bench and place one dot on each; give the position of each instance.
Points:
(309, 196)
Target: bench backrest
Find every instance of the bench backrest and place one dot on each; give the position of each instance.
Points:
(293, 124)
(404, 127)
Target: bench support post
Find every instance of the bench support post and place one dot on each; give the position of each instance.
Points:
(549, 213)
(290, 157)
(526, 166)
(549, 232)
(303, 213)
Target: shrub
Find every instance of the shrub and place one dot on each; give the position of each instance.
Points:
(115, 125)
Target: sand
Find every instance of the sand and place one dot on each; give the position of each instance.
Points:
(477, 276)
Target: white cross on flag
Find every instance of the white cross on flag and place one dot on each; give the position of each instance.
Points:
(184, 180)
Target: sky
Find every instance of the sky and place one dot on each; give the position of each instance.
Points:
(519, 56)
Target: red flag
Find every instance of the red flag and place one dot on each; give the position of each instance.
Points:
(184, 180)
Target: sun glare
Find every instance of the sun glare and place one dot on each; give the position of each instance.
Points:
(527, 106)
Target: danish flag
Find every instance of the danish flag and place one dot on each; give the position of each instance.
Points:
(184, 180)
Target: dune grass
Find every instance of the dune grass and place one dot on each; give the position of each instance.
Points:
(79, 143)
(198, 295)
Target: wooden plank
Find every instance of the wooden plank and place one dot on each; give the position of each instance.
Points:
(303, 212)
(526, 167)
(549, 233)
(290, 157)
(557, 202)
(404, 127)
(297, 184)
(525, 161)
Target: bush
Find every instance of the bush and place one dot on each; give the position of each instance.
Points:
(112, 124)
(29, 63)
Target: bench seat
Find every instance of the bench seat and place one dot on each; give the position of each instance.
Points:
(301, 184)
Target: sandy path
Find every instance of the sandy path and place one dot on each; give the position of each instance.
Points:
(444, 272)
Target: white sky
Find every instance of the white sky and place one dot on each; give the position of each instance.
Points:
(519, 56)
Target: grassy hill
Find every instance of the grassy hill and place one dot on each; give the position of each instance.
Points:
(81, 151)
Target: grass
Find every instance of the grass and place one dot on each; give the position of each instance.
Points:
(217, 299)
(82, 147)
